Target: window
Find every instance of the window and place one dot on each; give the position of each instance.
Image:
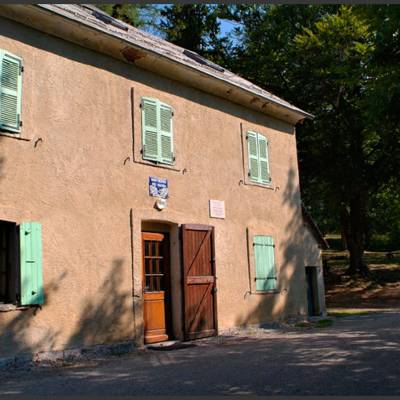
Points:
(10, 92)
(8, 261)
(21, 263)
(264, 250)
(157, 135)
(154, 267)
(257, 146)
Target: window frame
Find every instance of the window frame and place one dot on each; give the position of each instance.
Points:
(251, 233)
(159, 159)
(25, 280)
(244, 129)
(259, 137)
(6, 130)
(257, 267)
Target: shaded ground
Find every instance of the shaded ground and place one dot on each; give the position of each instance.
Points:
(381, 290)
(357, 355)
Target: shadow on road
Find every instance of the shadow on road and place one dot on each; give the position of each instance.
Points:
(357, 356)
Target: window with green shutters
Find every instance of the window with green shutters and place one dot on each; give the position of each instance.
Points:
(10, 92)
(264, 254)
(30, 239)
(21, 279)
(157, 133)
(257, 146)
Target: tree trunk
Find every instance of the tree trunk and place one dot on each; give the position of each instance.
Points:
(345, 229)
(353, 224)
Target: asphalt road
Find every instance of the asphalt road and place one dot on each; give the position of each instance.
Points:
(356, 356)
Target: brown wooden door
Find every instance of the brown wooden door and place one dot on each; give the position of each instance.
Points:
(199, 284)
(156, 311)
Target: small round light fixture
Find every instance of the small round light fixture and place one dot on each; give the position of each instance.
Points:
(161, 204)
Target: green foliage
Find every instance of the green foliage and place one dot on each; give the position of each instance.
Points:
(385, 218)
(350, 312)
(332, 61)
(335, 243)
(324, 323)
(195, 27)
(138, 15)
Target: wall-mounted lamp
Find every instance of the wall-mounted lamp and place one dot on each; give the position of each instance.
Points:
(161, 204)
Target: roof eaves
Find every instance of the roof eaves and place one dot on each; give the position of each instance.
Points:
(314, 228)
(67, 11)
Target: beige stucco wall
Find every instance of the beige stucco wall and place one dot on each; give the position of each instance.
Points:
(83, 180)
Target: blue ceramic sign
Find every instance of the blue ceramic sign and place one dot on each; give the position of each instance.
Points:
(158, 187)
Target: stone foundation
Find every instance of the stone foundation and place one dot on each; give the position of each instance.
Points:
(49, 358)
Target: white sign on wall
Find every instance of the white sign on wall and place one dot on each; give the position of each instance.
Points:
(217, 208)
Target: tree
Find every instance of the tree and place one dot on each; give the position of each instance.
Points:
(142, 16)
(195, 27)
(384, 212)
(326, 59)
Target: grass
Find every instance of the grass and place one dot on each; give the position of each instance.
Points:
(322, 323)
(304, 324)
(349, 312)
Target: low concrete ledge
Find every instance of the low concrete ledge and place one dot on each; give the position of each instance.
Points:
(53, 358)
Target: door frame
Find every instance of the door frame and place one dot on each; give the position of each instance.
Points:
(198, 227)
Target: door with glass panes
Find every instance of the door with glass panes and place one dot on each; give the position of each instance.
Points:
(156, 284)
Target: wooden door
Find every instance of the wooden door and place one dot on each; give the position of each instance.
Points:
(199, 283)
(156, 282)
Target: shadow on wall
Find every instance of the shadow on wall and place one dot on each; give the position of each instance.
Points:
(298, 250)
(18, 336)
(105, 317)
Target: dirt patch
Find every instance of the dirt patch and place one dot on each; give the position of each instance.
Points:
(380, 290)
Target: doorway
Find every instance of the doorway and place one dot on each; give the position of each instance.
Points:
(179, 281)
(312, 291)
(156, 287)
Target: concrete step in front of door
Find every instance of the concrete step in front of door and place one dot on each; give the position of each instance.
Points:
(169, 345)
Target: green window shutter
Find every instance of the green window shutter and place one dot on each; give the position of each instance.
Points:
(150, 137)
(263, 159)
(252, 147)
(166, 134)
(265, 262)
(30, 238)
(10, 91)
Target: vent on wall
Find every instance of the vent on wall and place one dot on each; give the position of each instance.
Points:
(201, 60)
